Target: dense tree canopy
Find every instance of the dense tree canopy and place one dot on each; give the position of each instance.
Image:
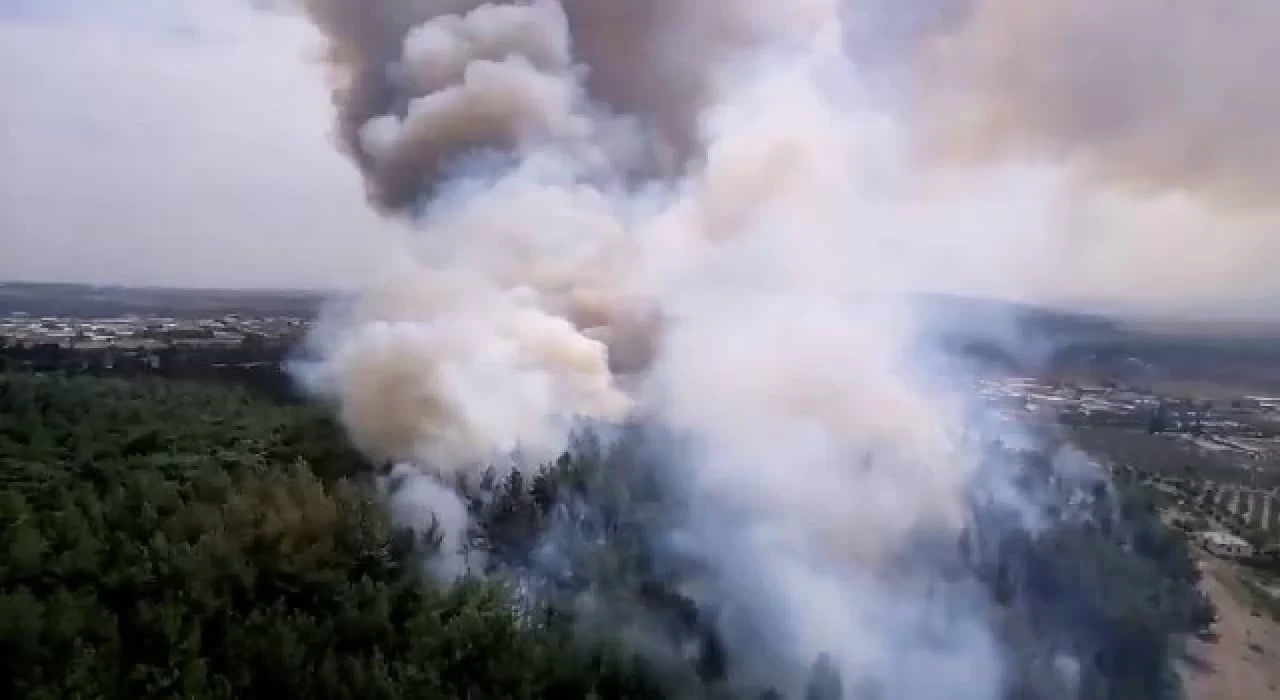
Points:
(166, 538)
(183, 540)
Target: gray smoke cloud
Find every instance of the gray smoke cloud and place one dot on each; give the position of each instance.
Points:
(1159, 94)
(710, 215)
(435, 69)
(1154, 115)
(1121, 150)
(1149, 94)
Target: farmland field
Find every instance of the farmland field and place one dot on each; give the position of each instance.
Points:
(1256, 508)
(1176, 457)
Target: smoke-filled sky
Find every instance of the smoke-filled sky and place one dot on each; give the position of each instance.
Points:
(172, 142)
(187, 142)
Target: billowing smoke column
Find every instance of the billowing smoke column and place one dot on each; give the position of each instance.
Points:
(712, 215)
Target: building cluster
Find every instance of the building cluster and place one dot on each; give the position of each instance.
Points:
(142, 331)
(1225, 544)
(1245, 427)
(1027, 395)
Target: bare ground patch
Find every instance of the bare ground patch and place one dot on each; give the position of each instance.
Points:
(1243, 663)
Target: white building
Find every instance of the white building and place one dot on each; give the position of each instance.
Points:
(1224, 544)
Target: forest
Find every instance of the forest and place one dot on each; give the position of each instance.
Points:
(197, 539)
(170, 539)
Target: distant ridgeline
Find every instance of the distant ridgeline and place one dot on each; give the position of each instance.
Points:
(1003, 336)
(172, 539)
(88, 301)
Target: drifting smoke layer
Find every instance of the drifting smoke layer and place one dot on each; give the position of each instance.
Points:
(690, 213)
(1152, 93)
(1157, 114)
(1083, 135)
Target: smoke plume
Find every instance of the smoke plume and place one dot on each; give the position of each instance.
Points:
(1148, 94)
(1153, 115)
(712, 216)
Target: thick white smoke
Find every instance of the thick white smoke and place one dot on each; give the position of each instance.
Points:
(729, 252)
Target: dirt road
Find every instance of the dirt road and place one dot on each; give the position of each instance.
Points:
(1244, 663)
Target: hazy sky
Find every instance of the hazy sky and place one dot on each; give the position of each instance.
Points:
(172, 142)
(186, 142)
